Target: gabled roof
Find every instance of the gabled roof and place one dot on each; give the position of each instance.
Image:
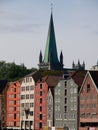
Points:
(51, 80)
(94, 75)
(78, 77)
(3, 84)
(36, 75)
(51, 49)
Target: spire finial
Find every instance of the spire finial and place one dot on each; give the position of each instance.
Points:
(51, 7)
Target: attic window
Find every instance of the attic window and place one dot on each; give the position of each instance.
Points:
(88, 88)
(40, 86)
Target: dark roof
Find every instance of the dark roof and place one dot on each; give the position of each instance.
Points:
(94, 75)
(3, 85)
(36, 75)
(78, 77)
(52, 81)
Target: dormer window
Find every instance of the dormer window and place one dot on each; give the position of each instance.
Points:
(88, 88)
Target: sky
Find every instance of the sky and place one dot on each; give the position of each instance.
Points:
(24, 27)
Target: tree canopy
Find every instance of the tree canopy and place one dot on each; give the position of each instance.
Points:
(11, 71)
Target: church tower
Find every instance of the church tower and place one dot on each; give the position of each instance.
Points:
(50, 60)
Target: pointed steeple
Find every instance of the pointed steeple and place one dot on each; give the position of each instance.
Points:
(51, 44)
(73, 65)
(61, 58)
(50, 60)
(40, 57)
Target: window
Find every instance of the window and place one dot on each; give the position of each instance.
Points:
(11, 102)
(30, 79)
(14, 108)
(40, 125)
(88, 88)
(14, 102)
(82, 115)
(31, 96)
(11, 96)
(27, 96)
(27, 105)
(40, 108)
(27, 88)
(15, 96)
(22, 88)
(40, 93)
(87, 115)
(40, 116)
(65, 100)
(40, 86)
(32, 87)
(10, 115)
(65, 84)
(40, 100)
(14, 116)
(27, 79)
(65, 92)
(22, 96)
(65, 108)
(94, 115)
(14, 89)
(31, 104)
(11, 108)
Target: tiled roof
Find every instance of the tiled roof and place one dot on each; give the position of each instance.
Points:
(94, 75)
(78, 77)
(2, 85)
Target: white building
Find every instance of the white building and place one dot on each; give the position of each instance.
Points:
(27, 103)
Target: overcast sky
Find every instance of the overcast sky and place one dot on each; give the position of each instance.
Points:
(24, 26)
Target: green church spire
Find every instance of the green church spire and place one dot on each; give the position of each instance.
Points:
(51, 50)
(50, 60)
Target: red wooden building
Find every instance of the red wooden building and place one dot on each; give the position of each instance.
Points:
(13, 105)
(88, 102)
(40, 105)
(41, 101)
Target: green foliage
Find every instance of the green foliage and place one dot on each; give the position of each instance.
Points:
(11, 71)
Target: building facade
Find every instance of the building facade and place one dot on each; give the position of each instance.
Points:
(44, 109)
(40, 108)
(88, 102)
(60, 104)
(27, 103)
(13, 105)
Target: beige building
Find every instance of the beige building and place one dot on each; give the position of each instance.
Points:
(27, 101)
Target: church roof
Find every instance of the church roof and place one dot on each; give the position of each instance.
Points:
(51, 49)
